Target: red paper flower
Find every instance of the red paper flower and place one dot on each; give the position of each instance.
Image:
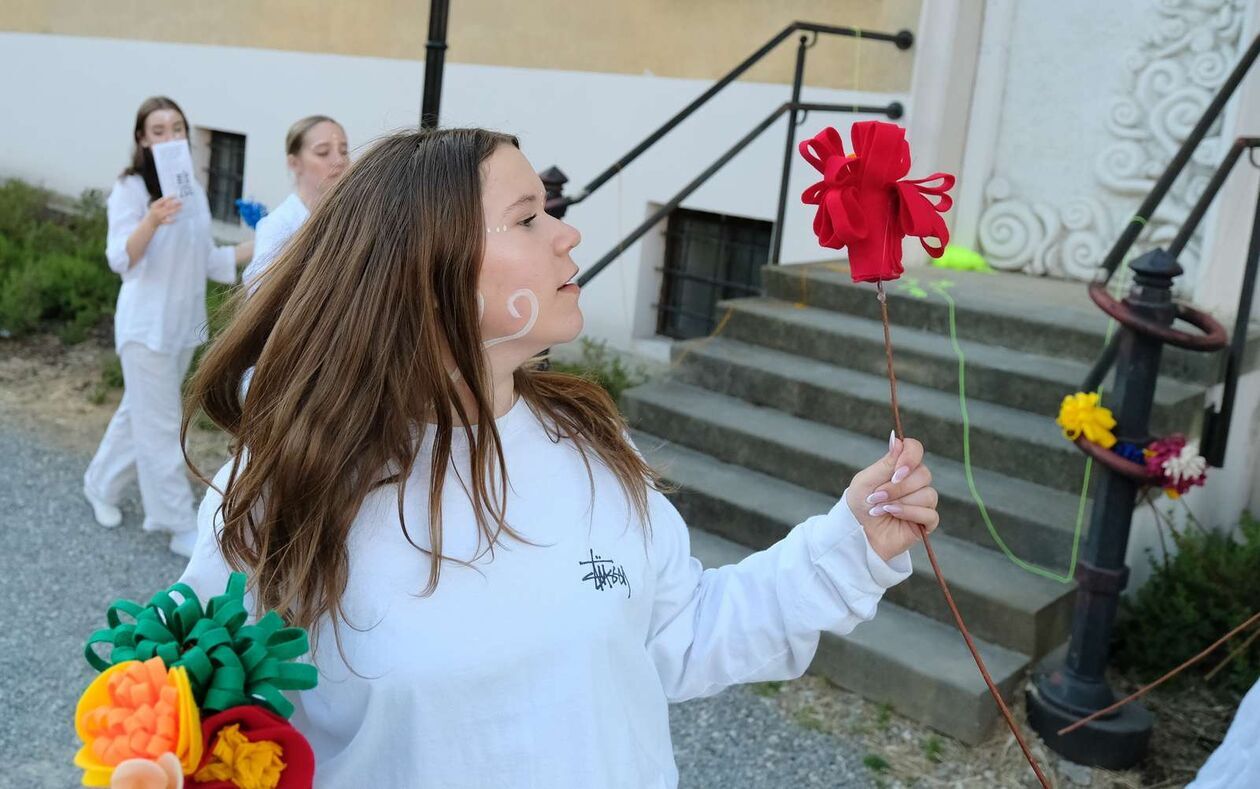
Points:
(245, 745)
(863, 204)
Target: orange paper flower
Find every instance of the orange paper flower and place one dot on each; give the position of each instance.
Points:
(136, 710)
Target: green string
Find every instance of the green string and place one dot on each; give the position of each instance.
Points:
(229, 663)
(941, 288)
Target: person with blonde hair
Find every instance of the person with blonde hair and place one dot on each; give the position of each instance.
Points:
(317, 154)
(497, 592)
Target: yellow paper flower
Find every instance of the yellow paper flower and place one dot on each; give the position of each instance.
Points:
(136, 710)
(1081, 414)
(248, 764)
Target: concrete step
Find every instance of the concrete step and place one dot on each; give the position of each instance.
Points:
(1035, 521)
(919, 666)
(1000, 602)
(1033, 314)
(1018, 443)
(996, 374)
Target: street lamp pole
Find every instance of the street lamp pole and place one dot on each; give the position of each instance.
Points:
(434, 59)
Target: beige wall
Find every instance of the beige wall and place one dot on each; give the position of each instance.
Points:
(671, 38)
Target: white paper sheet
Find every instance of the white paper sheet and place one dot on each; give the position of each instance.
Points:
(174, 164)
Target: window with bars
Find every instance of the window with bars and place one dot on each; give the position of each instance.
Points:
(708, 258)
(226, 174)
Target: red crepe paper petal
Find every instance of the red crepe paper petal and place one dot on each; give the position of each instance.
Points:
(864, 204)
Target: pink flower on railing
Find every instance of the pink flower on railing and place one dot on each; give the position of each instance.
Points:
(1176, 464)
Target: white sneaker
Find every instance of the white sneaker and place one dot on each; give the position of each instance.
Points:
(106, 515)
(183, 542)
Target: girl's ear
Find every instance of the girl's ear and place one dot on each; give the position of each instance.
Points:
(294, 163)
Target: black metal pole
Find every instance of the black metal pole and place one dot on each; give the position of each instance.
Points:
(1066, 688)
(776, 233)
(434, 59)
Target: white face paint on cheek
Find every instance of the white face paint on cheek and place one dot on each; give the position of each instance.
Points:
(534, 309)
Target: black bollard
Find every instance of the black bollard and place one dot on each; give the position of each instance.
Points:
(1068, 687)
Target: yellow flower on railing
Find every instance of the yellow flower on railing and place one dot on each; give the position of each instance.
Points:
(1082, 415)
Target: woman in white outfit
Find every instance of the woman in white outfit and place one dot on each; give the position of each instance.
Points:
(497, 592)
(317, 154)
(163, 250)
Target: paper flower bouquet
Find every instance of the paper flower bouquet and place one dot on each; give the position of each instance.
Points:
(192, 697)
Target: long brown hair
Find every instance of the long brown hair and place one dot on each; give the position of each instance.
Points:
(346, 334)
(147, 108)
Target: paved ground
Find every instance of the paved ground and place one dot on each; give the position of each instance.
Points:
(58, 572)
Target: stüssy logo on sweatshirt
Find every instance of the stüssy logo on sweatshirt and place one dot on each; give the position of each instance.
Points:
(604, 573)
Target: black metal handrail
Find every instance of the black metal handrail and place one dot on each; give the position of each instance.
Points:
(892, 109)
(1216, 421)
(1179, 161)
(903, 39)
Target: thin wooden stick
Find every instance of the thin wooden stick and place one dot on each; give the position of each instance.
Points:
(936, 567)
(1142, 691)
(1238, 650)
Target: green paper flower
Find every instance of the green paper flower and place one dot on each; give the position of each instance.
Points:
(229, 663)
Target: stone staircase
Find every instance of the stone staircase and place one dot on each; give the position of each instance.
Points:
(763, 425)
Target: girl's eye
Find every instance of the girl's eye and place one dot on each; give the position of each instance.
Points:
(529, 221)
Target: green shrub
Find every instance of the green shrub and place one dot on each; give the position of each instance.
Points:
(602, 366)
(1210, 586)
(52, 267)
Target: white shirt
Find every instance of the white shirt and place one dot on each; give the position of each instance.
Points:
(272, 232)
(162, 303)
(550, 666)
(1236, 761)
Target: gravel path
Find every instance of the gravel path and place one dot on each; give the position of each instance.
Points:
(59, 571)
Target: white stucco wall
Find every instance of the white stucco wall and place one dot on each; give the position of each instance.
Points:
(579, 121)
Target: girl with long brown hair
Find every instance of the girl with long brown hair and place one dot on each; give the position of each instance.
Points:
(162, 248)
(498, 592)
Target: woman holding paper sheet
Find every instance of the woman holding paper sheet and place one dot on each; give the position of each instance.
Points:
(162, 248)
(317, 154)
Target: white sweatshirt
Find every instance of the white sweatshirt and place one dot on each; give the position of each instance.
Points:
(272, 232)
(550, 665)
(162, 303)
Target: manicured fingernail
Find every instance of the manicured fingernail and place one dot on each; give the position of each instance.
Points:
(877, 497)
(892, 509)
(900, 474)
(892, 440)
(876, 511)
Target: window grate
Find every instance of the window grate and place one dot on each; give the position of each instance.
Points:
(226, 174)
(708, 258)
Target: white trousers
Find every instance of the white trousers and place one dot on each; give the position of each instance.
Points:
(142, 441)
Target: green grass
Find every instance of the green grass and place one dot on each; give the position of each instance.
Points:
(875, 763)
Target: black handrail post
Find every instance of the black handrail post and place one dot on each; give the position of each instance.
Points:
(776, 233)
(434, 60)
(1066, 688)
(554, 179)
(1216, 426)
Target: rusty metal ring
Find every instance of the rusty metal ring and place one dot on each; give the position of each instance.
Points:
(1116, 463)
(1213, 337)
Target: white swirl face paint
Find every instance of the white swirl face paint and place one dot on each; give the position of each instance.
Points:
(523, 293)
